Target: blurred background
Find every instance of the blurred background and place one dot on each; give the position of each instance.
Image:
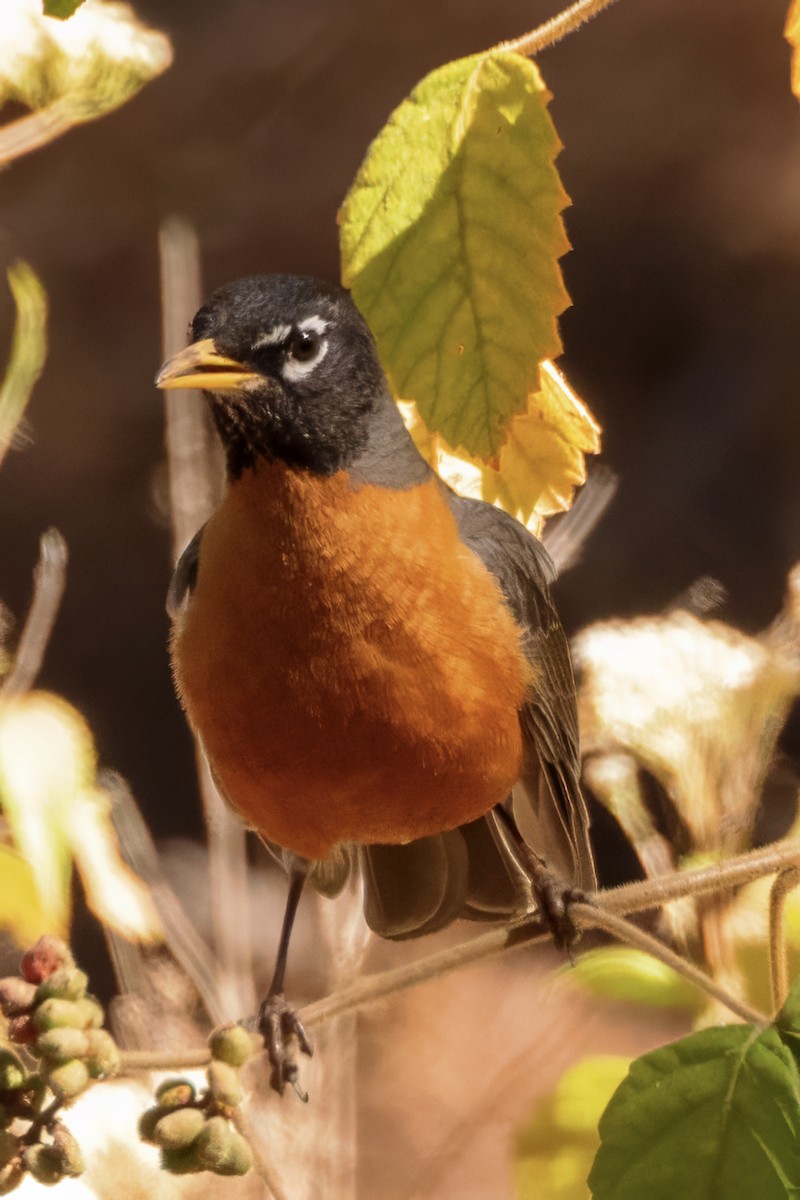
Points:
(682, 159)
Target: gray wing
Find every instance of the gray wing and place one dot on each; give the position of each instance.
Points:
(184, 576)
(548, 805)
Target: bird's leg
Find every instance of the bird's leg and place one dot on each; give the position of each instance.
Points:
(552, 895)
(278, 1023)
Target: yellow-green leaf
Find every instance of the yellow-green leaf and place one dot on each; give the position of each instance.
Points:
(61, 9)
(450, 239)
(555, 1149)
(21, 911)
(792, 33)
(541, 462)
(28, 350)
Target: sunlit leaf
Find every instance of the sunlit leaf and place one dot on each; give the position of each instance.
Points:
(714, 1115)
(450, 238)
(55, 812)
(28, 350)
(792, 33)
(542, 459)
(113, 892)
(554, 1151)
(21, 911)
(71, 71)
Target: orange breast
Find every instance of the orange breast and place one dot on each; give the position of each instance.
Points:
(349, 664)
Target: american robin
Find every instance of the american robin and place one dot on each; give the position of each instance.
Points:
(372, 663)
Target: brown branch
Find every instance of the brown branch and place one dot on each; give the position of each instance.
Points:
(556, 28)
(635, 897)
(778, 967)
(49, 579)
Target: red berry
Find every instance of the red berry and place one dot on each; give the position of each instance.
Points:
(22, 1031)
(44, 958)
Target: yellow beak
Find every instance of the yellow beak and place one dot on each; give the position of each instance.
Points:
(202, 366)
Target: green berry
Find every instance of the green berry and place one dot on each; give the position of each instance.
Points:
(71, 1158)
(147, 1124)
(91, 1012)
(16, 995)
(9, 1147)
(180, 1162)
(44, 1163)
(175, 1093)
(103, 1057)
(178, 1128)
(225, 1085)
(233, 1044)
(67, 1079)
(67, 983)
(58, 1014)
(59, 1045)
(12, 1071)
(222, 1150)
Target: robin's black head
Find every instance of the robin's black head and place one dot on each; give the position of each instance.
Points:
(290, 370)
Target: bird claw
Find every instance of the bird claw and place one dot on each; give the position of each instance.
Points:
(279, 1024)
(554, 899)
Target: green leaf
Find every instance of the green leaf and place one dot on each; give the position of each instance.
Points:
(28, 350)
(622, 973)
(450, 237)
(712, 1117)
(60, 8)
(554, 1150)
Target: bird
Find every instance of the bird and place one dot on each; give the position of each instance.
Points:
(372, 662)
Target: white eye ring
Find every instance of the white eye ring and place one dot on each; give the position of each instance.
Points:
(304, 349)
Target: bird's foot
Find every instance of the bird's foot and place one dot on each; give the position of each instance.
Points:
(279, 1025)
(554, 900)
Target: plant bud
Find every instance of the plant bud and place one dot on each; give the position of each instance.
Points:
(72, 1162)
(147, 1124)
(225, 1085)
(233, 1044)
(16, 995)
(178, 1128)
(68, 1079)
(44, 1163)
(58, 1045)
(92, 1014)
(57, 1014)
(67, 983)
(22, 1031)
(180, 1162)
(46, 956)
(175, 1093)
(103, 1058)
(12, 1071)
(9, 1147)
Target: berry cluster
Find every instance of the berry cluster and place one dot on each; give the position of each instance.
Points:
(194, 1131)
(46, 1015)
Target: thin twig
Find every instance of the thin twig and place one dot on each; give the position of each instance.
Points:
(635, 897)
(556, 28)
(195, 486)
(49, 579)
(778, 967)
(590, 916)
(34, 130)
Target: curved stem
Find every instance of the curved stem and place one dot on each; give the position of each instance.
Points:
(556, 28)
(778, 967)
(48, 587)
(634, 897)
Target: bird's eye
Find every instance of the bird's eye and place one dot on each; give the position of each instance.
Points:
(304, 345)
